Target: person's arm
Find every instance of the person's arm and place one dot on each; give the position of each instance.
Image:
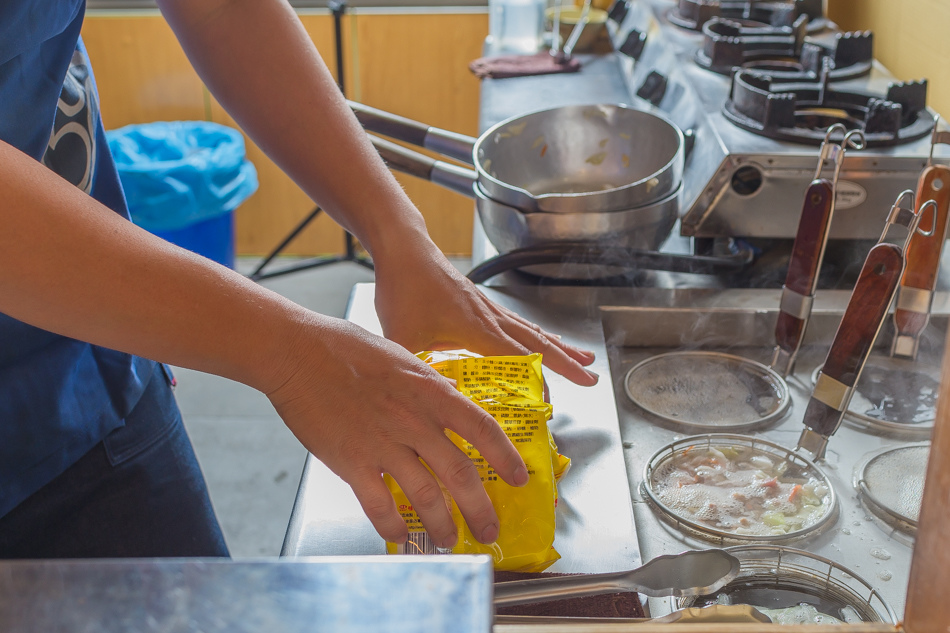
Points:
(259, 62)
(358, 402)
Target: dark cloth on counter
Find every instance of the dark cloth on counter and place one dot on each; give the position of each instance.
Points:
(502, 66)
(138, 493)
(613, 605)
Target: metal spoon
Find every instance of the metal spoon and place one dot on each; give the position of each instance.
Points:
(564, 55)
(691, 573)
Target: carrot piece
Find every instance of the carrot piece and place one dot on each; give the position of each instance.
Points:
(796, 491)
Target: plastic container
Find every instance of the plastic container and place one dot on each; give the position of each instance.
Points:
(183, 180)
(595, 26)
(213, 238)
(516, 26)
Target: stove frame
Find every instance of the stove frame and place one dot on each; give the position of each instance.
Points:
(738, 184)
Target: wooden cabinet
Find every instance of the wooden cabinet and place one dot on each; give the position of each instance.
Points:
(416, 65)
(410, 62)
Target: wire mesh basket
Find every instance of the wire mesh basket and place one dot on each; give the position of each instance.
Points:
(708, 390)
(894, 396)
(749, 503)
(891, 483)
(773, 577)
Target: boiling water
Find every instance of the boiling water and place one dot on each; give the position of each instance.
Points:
(896, 395)
(777, 598)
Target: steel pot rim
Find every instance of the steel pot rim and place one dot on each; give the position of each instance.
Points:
(567, 202)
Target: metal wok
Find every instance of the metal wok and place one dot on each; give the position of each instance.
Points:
(570, 159)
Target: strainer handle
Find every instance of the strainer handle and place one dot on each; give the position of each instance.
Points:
(862, 320)
(915, 294)
(798, 293)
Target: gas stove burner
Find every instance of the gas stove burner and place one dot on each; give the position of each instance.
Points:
(802, 112)
(782, 52)
(693, 14)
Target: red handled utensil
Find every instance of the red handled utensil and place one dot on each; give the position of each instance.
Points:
(801, 280)
(862, 320)
(915, 294)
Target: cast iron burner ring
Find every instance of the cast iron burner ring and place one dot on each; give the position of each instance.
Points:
(802, 112)
(693, 14)
(782, 52)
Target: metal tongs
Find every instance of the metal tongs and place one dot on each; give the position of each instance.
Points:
(872, 296)
(915, 294)
(564, 55)
(801, 280)
(692, 573)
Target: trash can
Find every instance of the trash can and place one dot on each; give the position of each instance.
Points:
(183, 181)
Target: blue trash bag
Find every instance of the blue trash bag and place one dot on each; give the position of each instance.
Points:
(179, 173)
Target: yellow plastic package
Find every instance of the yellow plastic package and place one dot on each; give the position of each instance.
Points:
(511, 389)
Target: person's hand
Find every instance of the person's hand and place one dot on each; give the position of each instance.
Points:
(424, 303)
(365, 406)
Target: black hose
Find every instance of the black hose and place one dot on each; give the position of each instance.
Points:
(585, 253)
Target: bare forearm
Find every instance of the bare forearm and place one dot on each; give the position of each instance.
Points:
(72, 266)
(261, 64)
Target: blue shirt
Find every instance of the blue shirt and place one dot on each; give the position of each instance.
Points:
(59, 397)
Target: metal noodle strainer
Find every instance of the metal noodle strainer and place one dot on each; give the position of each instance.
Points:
(897, 394)
(891, 483)
(860, 325)
(739, 489)
(728, 392)
(708, 389)
(894, 395)
(794, 586)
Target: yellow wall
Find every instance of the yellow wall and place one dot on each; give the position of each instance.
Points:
(411, 64)
(911, 38)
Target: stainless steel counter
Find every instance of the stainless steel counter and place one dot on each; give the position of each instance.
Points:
(343, 595)
(604, 524)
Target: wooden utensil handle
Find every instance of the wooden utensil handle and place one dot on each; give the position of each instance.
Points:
(810, 240)
(865, 313)
(859, 327)
(805, 261)
(923, 251)
(923, 254)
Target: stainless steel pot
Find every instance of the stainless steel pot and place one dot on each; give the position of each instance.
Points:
(570, 159)
(509, 228)
(643, 227)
